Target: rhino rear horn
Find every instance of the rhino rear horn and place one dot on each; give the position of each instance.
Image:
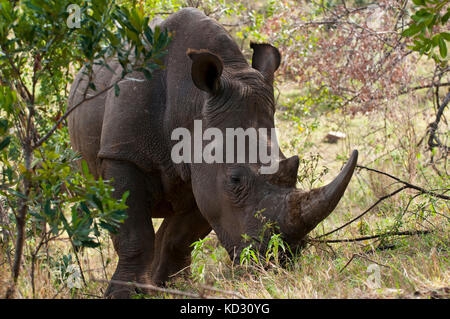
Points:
(287, 172)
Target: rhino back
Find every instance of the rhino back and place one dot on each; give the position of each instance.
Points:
(86, 118)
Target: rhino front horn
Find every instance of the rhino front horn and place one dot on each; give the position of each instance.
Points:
(308, 209)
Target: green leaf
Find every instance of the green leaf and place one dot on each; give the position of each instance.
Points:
(116, 89)
(89, 243)
(97, 201)
(47, 210)
(119, 215)
(108, 227)
(37, 216)
(92, 86)
(412, 30)
(5, 142)
(423, 13)
(85, 208)
(85, 168)
(435, 40)
(445, 35)
(123, 19)
(18, 194)
(148, 34)
(442, 47)
(147, 73)
(3, 125)
(445, 17)
(419, 2)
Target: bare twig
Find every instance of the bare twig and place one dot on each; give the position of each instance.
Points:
(347, 240)
(407, 185)
(225, 292)
(433, 140)
(361, 256)
(348, 263)
(365, 212)
(420, 87)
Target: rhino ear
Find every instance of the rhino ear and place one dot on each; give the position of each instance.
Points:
(266, 59)
(206, 70)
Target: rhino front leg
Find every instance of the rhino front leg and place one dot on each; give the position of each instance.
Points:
(173, 243)
(134, 243)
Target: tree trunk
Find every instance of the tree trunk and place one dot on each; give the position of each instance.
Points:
(20, 223)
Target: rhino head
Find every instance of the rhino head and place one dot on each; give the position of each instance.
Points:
(235, 197)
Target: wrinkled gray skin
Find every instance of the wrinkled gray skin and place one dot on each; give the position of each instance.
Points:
(128, 138)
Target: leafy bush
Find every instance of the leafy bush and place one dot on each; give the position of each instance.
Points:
(41, 42)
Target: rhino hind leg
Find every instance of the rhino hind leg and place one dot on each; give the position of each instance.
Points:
(134, 243)
(173, 243)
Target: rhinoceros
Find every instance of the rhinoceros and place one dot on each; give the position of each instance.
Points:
(128, 138)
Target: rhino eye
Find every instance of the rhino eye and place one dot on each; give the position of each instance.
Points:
(235, 179)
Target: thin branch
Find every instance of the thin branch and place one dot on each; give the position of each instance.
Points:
(420, 87)
(407, 185)
(238, 24)
(225, 292)
(433, 140)
(365, 212)
(17, 71)
(348, 240)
